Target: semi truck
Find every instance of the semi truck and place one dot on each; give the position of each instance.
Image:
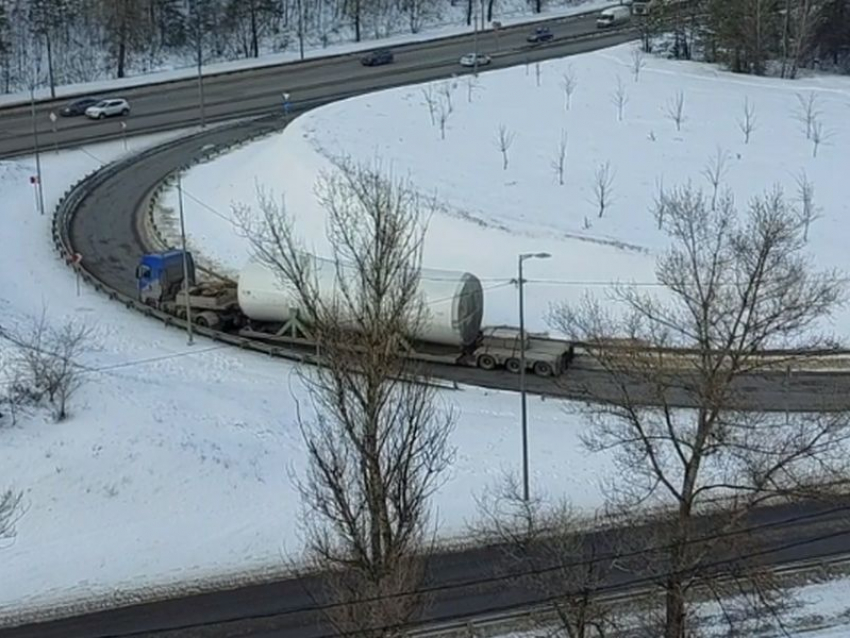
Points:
(259, 305)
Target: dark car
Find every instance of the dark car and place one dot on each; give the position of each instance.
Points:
(78, 107)
(540, 34)
(377, 58)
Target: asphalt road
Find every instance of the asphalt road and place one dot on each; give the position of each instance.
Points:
(464, 584)
(105, 232)
(259, 91)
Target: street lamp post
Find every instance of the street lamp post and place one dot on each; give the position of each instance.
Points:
(39, 189)
(185, 261)
(522, 258)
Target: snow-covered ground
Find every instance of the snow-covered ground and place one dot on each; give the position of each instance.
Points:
(175, 464)
(492, 214)
(817, 610)
(511, 13)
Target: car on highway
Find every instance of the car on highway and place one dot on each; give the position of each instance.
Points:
(475, 59)
(379, 57)
(108, 108)
(613, 16)
(540, 34)
(78, 107)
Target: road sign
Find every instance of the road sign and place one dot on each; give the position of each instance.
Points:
(33, 179)
(123, 125)
(52, 117)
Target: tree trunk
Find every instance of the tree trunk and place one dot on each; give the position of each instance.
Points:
(50, 79)
(357, 16)
(674, 625)
(255, 41)
(122, 55)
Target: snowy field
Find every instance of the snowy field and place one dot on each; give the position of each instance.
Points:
(492, 213)
(818, 610)
(511, 12)
(175, 464)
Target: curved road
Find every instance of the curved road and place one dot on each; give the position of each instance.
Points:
(469, 582)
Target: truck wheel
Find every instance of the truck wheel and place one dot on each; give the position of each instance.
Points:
(207, 320)
(543, 369)
(513, 365)
(486, 362)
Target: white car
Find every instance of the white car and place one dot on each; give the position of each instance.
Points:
(108, 108)
(470, 59)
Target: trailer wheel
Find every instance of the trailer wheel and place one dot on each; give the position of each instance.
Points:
(543, 369)
(486, 362)
(513, 365)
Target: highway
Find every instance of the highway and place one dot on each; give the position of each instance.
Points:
(256, 92)
(460, 584)
(108, 232)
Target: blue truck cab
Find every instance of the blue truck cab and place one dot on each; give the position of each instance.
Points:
(159, 276)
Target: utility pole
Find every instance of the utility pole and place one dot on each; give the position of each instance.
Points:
(522, 345)
(185, 261)
(39, 188)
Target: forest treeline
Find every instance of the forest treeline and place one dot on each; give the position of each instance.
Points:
(55, 42)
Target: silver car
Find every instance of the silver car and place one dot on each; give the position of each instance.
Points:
(108, 108)
(475, 59)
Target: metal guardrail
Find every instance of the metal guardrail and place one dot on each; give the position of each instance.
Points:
(268, 124)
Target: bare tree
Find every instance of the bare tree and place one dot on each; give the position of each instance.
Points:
(377, 440)
(714, 171)
(48, 365)
(732, 288)
(819, 136)
(748, 122)
(471, 86)
(559, 163)
(431, 101)
(538, 73)
(446, 89)
(676, 109)
(505, 140)
(801, 21)
(638, 61)
(443, 113)
(660, 202)
(10, 512)
(558, 555)
(603, 187)
(619, 98)
(568, 84)
(806, 201)
(807, 112)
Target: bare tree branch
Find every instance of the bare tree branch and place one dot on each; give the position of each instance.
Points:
(377, 444)
(734, 286)
(505, 140)
(603, 187)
